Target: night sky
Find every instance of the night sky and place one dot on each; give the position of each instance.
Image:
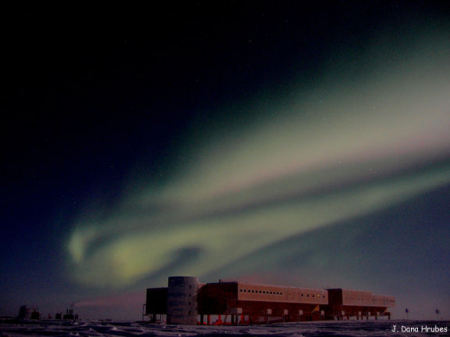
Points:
(295, 144)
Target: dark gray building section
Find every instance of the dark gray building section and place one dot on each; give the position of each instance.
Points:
(182, 300)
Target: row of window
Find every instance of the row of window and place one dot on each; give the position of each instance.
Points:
(315, 295)
(276, 293)
(261, 292)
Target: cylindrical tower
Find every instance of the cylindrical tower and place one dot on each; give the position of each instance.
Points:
(182, 300)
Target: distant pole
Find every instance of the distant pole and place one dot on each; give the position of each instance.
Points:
(407, 312)
(143, 311)
(437, 314)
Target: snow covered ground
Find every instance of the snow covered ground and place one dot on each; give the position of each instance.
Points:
(307, 329)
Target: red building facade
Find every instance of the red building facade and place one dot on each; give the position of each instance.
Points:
(248, 303)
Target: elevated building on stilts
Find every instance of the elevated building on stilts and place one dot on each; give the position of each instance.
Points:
(188, 301)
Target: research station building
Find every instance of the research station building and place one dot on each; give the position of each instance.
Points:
(187, 301)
